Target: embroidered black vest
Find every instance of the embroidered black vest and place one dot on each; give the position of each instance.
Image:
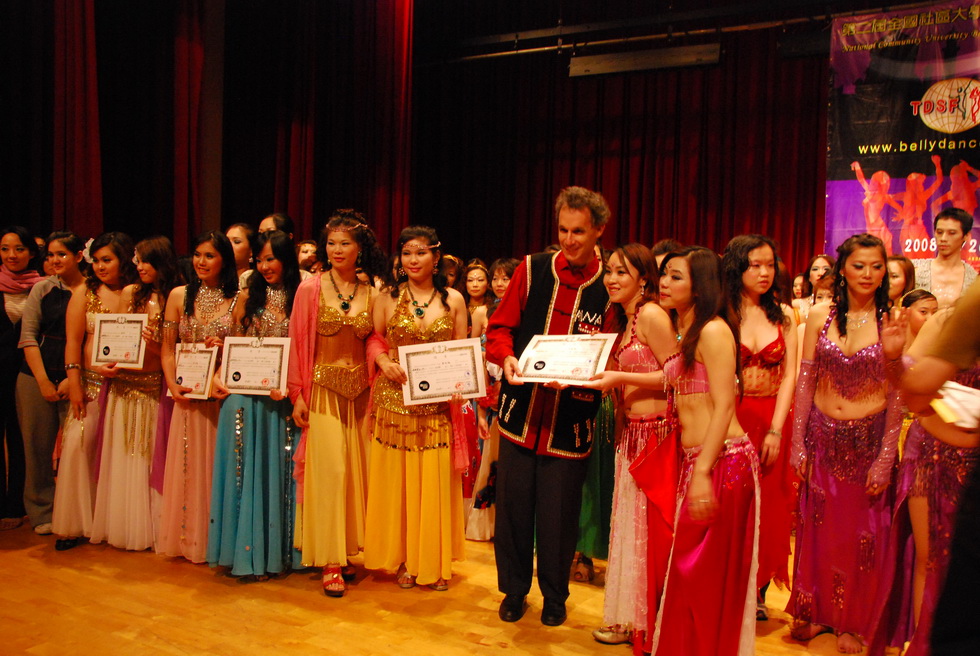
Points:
(573, 420)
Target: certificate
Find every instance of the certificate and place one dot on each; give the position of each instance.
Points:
(195, 368)
(255, 365)
(437, 371)
(118, 339)
(568, 359)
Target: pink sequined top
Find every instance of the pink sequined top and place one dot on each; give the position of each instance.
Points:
(853, 377)
(634, 356)
(683, 380)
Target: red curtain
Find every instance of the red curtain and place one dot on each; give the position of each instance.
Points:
(389, 204)
(698, 154)
(188, 81)
(77, 161)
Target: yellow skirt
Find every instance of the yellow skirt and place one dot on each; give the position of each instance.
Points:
(330, 521)
(415, 500)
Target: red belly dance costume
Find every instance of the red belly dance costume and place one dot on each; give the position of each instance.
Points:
(842, 534)
(708, 605)
(762, 374)
(938, 472)
(644, 500)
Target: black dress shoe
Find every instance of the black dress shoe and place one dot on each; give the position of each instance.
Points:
(553, 613)
(64, 544)
(512, 608)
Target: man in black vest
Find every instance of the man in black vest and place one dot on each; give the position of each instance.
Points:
(546, 431)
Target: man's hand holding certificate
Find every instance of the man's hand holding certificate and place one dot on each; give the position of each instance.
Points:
(565, 359)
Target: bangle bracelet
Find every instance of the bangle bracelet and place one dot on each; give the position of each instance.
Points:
(69, 367)
(773, 431)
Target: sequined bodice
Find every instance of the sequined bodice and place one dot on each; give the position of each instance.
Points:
(634, 356)
(192, 330)
(683, 380)
(853, 377)
(93, 306)
(330, 321)
(762, 371)
(265, 324)
(404, 330)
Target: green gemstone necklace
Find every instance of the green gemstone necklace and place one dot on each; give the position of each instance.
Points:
(344, 302)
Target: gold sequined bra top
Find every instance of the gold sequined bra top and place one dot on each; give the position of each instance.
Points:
(340, 339)
(403, 330)
(93, 306)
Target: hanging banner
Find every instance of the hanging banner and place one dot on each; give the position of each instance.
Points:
(904, 126)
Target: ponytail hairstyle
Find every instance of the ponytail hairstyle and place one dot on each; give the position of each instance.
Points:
(841, 300)
(429, 236)
(228, 280)
(159, 253)
(284, 251)
(122, 247)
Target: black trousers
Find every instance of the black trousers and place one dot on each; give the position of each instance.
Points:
(12, 466)
(537, 497)
(955, 630)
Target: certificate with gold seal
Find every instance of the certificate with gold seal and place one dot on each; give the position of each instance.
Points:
(255, 365)
(118, 339)
(437, 371)
(567, 359)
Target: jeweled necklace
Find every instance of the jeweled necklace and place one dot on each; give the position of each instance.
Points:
(275, 300)
(857, 323)
(207, 301)
(344, 302)
(419, 310)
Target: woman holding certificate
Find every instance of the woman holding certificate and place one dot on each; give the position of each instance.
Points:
(252, 491)
(328, 384)
(415, 506)
(708, 605)
(200, 314)
(645, 492)
(74, 499)
(126, 507)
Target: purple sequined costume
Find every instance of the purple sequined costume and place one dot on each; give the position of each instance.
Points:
(841, 538)
(939, 472)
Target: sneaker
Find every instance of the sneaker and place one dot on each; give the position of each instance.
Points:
(43, 529)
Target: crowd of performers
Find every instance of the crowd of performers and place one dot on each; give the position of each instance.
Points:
(739, 407)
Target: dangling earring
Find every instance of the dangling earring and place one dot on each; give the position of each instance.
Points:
(401, 272)
(358, 261)
(842, 283)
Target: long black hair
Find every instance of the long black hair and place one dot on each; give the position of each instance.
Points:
(122, 247)
(159, 253)
(735, 262)
(284, 251)
(228, 280)
(708, 297)
(428, 235)
(641, 259)
(841, 300)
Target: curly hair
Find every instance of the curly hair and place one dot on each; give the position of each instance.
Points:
(371, 259)
(159, 253)
(580, 198)
(647, 274)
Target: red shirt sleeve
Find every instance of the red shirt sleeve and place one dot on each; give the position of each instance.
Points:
(507, 317)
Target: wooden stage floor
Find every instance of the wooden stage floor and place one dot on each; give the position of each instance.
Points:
(98, 599)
